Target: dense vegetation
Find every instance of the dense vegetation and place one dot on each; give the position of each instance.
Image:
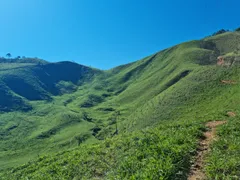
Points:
(137, 121)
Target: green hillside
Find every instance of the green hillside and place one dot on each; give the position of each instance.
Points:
(141, 120)
(31, 81)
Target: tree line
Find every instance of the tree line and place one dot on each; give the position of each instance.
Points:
(9, 55)
(221, 31)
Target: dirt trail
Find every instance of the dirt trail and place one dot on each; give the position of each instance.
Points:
(196, 171)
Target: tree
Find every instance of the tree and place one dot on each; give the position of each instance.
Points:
(18, 57)
(9, 55)
(82, 137)
(115, 118)
(220, 32)
(238, 29)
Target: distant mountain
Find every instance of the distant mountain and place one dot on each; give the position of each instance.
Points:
(141, 120)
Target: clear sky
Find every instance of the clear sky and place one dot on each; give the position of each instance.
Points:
(107, 33)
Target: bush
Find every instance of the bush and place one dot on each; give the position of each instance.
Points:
(220, 32)
(238, 29)
(92, 100)
(82, 137)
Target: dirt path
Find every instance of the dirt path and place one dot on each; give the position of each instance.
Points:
(196, 171)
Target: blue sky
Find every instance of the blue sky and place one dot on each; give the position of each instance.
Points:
(107, 33)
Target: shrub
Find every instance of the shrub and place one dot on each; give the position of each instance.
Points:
(220, 32)
(238, 29)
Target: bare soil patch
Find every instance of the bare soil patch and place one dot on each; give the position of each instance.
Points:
(228, 82)
(231, 114)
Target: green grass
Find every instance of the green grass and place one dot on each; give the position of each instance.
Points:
(148, 154)
(159, 105)
(223, 161)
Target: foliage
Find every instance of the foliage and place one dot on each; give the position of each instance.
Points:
(22, 60)
(148, 154)
(238, 29)
(221, 31)
(8, 55)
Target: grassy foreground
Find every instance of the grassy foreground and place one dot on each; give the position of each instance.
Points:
(162, 152)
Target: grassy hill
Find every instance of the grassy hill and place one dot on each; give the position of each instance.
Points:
(141, 120)
(34, 81)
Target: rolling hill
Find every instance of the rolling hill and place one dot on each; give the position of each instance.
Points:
(141, 120)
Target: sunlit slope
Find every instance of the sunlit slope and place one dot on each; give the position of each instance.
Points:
(172, 90)
(160, 151)
(165, 81)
